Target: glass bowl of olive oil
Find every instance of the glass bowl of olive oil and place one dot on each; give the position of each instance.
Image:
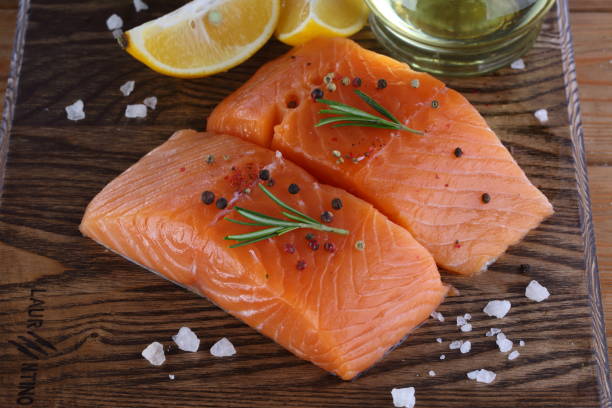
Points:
(457, 37)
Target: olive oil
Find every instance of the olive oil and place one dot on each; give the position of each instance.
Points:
(457, 37)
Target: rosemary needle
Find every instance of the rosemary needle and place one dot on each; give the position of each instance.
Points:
(350, 116)
(276, 226)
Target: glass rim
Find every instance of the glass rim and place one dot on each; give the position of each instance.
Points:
(456, 44)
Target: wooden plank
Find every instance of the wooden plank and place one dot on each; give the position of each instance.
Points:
(592, 44)
(590, 6)
(100, 311)
(7, 28)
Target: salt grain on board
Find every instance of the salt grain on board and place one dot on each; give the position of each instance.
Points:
(403, 397)
(537, 292)
(432, 373)
(513, 355)
(466, 347)
(467, 316)
(466, 328)
(541, 115)
(482, 375)
(140, 5)
(151, 102)
(75, 111)
(223, 348)
(518, 64)
(171, 376)
(187, 340)
(438, 316)
(492, 331)
(442, 356)
(114, 22)
(497, 308)
(136, 111)
(455, 344)
(522, 343)
(154, 353)
(504, 344)
(439, 339)
(127, 88)
(461, 321)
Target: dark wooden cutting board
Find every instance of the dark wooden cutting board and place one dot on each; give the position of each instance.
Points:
(74, 317)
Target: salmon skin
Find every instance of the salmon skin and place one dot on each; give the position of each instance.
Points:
(456, 188)
(342, 311)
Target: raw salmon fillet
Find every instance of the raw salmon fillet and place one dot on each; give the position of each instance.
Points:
(416, 180)
(342, 311)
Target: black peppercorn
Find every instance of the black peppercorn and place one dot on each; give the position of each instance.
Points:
(221, 203)
(458, 152)
(264, 174)
(486, 198)
(381, 84)
(294, 188)
(327, 217)
(317, 93)
(336, 203)
(208, 197)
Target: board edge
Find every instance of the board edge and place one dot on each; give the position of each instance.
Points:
(10, 96)
(600, 346)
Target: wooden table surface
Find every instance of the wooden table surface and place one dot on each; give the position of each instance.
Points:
(592, 30)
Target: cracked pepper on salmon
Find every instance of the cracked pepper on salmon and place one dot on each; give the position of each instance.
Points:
(465, 206)
(341, 309)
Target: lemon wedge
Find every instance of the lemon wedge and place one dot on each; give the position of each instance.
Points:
(303, 20)
(204, 36)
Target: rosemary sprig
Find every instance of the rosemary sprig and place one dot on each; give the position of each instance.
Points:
(276, 226)
(351, 116)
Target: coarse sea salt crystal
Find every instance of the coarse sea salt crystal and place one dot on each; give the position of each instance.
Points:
(438, 316)
(461, 321)
(403, 397)
(432, 373)
(497, 308)
(154, 353)
(541, 115)
(136, 111)
(151, 102)
(140, 5)
(466, 327)
(467, 316)
(537, 292)
(518, 64)
(75, 111)
(223, 348)
(439, 339)
(278, 154)
(466, 347)
(482, 375)
(171, 376)
(513, 355)
(504, 344)
(114, 22)
(492, 331)
(442, 356)
(455, 344)
(522, 343)
(127, 88)
(187, 340)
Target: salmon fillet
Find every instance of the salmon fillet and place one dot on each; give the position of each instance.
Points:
(418, 181)
(342, 311)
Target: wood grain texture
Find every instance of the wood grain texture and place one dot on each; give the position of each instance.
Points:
(7, 29)
(77, 316)
(592, 31)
